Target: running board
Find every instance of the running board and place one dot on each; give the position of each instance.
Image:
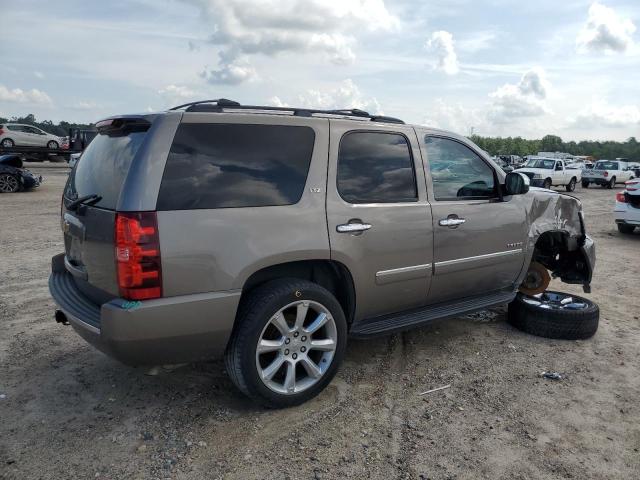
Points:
(395, 322)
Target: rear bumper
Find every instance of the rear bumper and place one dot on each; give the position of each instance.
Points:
(170, 330)
(626, 214)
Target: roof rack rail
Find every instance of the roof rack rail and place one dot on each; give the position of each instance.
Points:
(222, 104)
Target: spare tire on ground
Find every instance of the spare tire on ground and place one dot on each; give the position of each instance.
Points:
(555, 315)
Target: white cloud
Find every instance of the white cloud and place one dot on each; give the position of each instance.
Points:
(476, 41)
(232, 72)
(347, 95)
(601, 114)
(17, 95)
(441, 43)
(454, 117)
(605, 31)
(270, 27)
(524, 99)
(177, 91)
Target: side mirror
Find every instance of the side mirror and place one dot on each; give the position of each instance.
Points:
(516, 183)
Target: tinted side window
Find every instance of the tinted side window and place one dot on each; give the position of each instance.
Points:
(456, 171)
(376, 167)
(212, 165)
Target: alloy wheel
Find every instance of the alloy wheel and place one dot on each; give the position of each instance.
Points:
(296, 347)
(8, 183)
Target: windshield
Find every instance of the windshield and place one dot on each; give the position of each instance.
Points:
(541, 163)
(103, 168)
(606, 165)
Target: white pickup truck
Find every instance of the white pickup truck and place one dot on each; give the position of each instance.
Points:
(607, 173)
(548, 172)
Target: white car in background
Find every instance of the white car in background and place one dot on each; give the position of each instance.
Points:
(19, 135)
(627, 209)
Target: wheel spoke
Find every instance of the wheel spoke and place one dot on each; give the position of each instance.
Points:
(266, 346)
(301, 314)
(290, 379)
(326, 345)
(271, 370)
(280, 323)
(310, 366)
(320, 320)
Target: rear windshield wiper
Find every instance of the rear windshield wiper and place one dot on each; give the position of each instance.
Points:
(87, 200)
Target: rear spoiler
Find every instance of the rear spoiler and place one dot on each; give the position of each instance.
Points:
(123, 124)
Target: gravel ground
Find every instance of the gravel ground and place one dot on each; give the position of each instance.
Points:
(67, 411)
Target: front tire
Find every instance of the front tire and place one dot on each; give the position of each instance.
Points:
(53, 145)
(547, 184)
(9, 183)
(572, 185)
(288, 342)
(585, 184)
(7, 143)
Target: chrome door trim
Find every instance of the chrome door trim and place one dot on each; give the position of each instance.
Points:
(458, 264)
(404, 273)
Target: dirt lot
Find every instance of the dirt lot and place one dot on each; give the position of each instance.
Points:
(67, 411)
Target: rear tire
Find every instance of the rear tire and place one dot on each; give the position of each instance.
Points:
(550, 322)
(572, 185)
(585, 184)
(547, 184)
(626, 229)
(7, 143)
(612, 183)
(53, 145)
(265, 376)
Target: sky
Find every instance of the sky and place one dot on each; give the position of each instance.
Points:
(508, 68)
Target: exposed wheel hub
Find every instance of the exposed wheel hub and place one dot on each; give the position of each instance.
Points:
(536, 280)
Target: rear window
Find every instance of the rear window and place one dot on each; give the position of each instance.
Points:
(606, 166)
(213, 165)
(103, 168)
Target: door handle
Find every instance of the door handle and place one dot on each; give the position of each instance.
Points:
(451, 222)
(353, 227)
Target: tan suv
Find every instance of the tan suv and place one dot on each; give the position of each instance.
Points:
(271, 234)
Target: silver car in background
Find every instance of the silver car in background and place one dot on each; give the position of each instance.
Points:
(17, 134)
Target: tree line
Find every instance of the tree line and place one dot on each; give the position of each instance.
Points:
(61, 129)
(493, 145)
(552, 143)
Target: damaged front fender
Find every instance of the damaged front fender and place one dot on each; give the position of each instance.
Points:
(557, 238)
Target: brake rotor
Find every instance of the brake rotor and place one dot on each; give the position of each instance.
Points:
(536, 280)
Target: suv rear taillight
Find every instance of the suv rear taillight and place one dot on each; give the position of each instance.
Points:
(620, 197)
(138, 255)
(605, 174)
(1, 130)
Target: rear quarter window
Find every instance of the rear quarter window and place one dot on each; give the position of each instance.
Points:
(213, 165)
